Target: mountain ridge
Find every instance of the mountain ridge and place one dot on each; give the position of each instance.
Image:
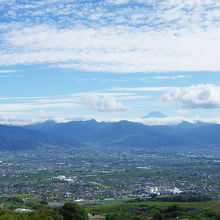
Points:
(20, 138)
(129, 133)
(122, 133)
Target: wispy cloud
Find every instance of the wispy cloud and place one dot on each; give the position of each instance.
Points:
(27, 98)
(33, 106)
(182, 111)
(7, 71)
(169, 77)
(4, 76)
(143, 89)
(96, 101)
(18, 104)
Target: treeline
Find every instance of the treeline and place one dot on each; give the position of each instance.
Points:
(165, 213)
(69, 211)
(176, 198)
(184, 198)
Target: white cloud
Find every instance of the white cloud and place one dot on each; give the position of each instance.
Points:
(114, 50)
(196, 96)
(104, 103)
(123, 36)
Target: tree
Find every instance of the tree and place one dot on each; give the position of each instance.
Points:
(115, 216)
(46, 213)
(73, 211)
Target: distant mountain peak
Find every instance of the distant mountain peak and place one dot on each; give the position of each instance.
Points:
(50, 122)
(155, 114)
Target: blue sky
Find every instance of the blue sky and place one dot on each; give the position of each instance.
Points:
(109, 60)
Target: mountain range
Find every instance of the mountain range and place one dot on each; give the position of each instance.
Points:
(133, 133)
(122, 133)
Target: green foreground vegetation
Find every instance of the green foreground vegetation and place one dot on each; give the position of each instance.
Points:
(120, 210)
(132, 210)
(42, 212)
